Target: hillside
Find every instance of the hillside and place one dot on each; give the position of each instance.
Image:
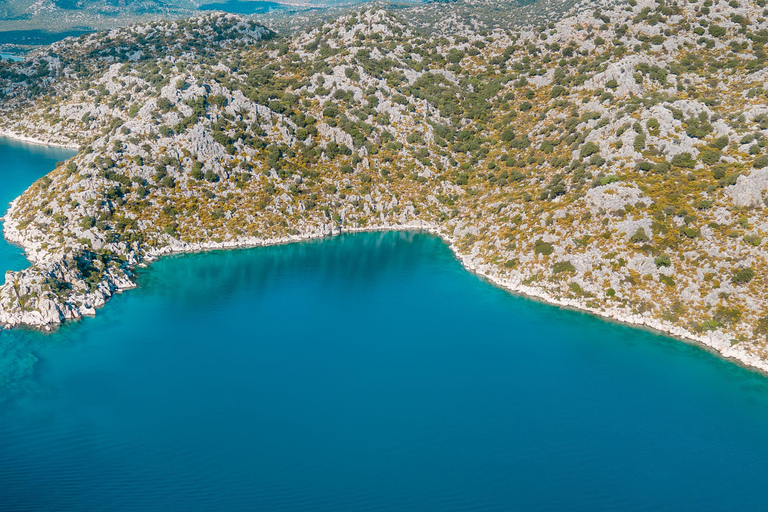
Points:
(613, 161)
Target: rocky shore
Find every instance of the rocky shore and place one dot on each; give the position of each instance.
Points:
(52, 314)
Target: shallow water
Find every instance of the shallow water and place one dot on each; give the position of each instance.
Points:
(20, 165)
(367, 372)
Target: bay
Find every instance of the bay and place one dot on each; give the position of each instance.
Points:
(366, 372)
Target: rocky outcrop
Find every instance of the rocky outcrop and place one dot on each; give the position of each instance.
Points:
(749, 191)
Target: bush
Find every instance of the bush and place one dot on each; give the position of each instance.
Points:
(197, 171)
(718, 172)
(743, 276)
(164, 104)
(684, 160)
(653, 126)
(557, 91)
(639, 143)
(563, 266)
(639, 236)
(720, 143)
(710, 157)
(667, 280)
(716, 31)
(761, 328)
(690, 232)
(87, 223)
(542, 247)
(726, 316)
(698, 128)
(760, 162)
(589, 149)
(753, 240)
(662, 261)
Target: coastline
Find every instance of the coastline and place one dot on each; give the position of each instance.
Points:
(11, 135)
(718, 345)
(715, 342)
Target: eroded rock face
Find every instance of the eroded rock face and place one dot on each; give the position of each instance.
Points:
(749, 191)
(50, 293)
(614, 196)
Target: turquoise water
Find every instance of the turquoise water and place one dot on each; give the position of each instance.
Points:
(20, 165)
(243, 7)
(367, 372)
(10, 56)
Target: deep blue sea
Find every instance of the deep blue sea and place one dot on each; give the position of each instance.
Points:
(365, 372)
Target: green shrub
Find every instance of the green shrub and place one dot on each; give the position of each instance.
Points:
(667, 280)
(639, 236)
(690, 232)
(760, 162)
(720, 143)
(753, 240)
(589, 149)
(716, 31)
(197, 171)
(684, 160)
(563, 266)
(743, 276)
(710, 157)
(542, 247)
(87, 222)
(726, 316)
(653, 126)
(761, 328)
(662, 261)
(639, 143)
